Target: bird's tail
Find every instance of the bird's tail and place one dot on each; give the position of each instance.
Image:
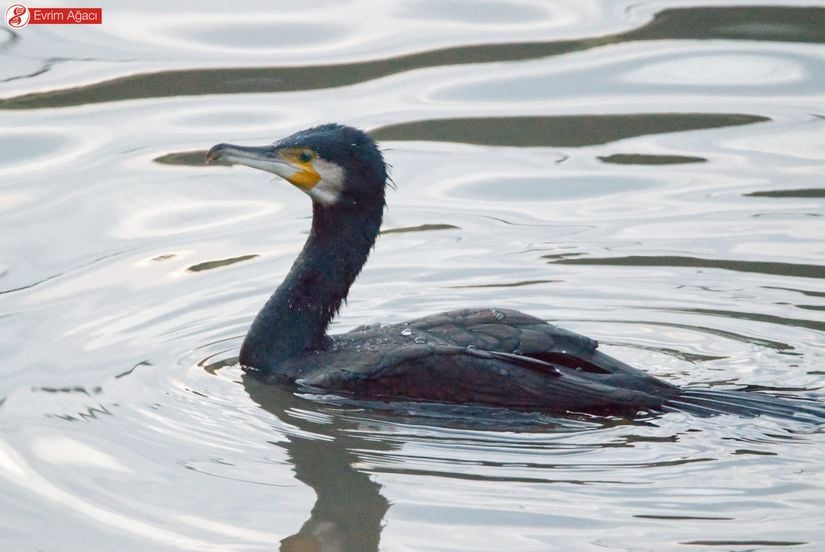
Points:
(711, 402)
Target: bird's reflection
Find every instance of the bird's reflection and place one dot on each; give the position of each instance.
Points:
(349, 507)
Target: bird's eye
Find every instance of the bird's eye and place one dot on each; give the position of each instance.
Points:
(305, 156)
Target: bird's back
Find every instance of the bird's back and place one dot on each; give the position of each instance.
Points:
(487, 356)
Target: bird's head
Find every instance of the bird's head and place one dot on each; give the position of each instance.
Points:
(335, 165)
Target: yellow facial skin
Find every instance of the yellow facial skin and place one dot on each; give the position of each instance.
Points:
(301, 159)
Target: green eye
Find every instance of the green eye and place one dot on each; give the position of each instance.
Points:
(306, 156)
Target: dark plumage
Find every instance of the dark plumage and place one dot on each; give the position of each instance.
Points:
(491, 356)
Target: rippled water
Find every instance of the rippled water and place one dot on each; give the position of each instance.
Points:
(647, 173)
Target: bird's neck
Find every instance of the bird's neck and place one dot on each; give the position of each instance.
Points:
(295, 319)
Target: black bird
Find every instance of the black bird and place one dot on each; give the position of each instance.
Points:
(490, 356)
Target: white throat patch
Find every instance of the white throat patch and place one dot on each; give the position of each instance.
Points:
(328, 190)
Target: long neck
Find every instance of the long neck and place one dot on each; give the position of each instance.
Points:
(295, 319)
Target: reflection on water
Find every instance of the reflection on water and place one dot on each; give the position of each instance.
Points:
(751, 23)
(787, 269)
(557, 131)
(648, 174)
(349, 508)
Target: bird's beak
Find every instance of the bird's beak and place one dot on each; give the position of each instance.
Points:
(265, 158)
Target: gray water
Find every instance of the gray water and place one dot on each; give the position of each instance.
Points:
(646, 173)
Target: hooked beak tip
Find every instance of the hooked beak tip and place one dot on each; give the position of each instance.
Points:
(215, 153)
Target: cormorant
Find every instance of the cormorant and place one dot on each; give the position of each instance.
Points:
(490, 356)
